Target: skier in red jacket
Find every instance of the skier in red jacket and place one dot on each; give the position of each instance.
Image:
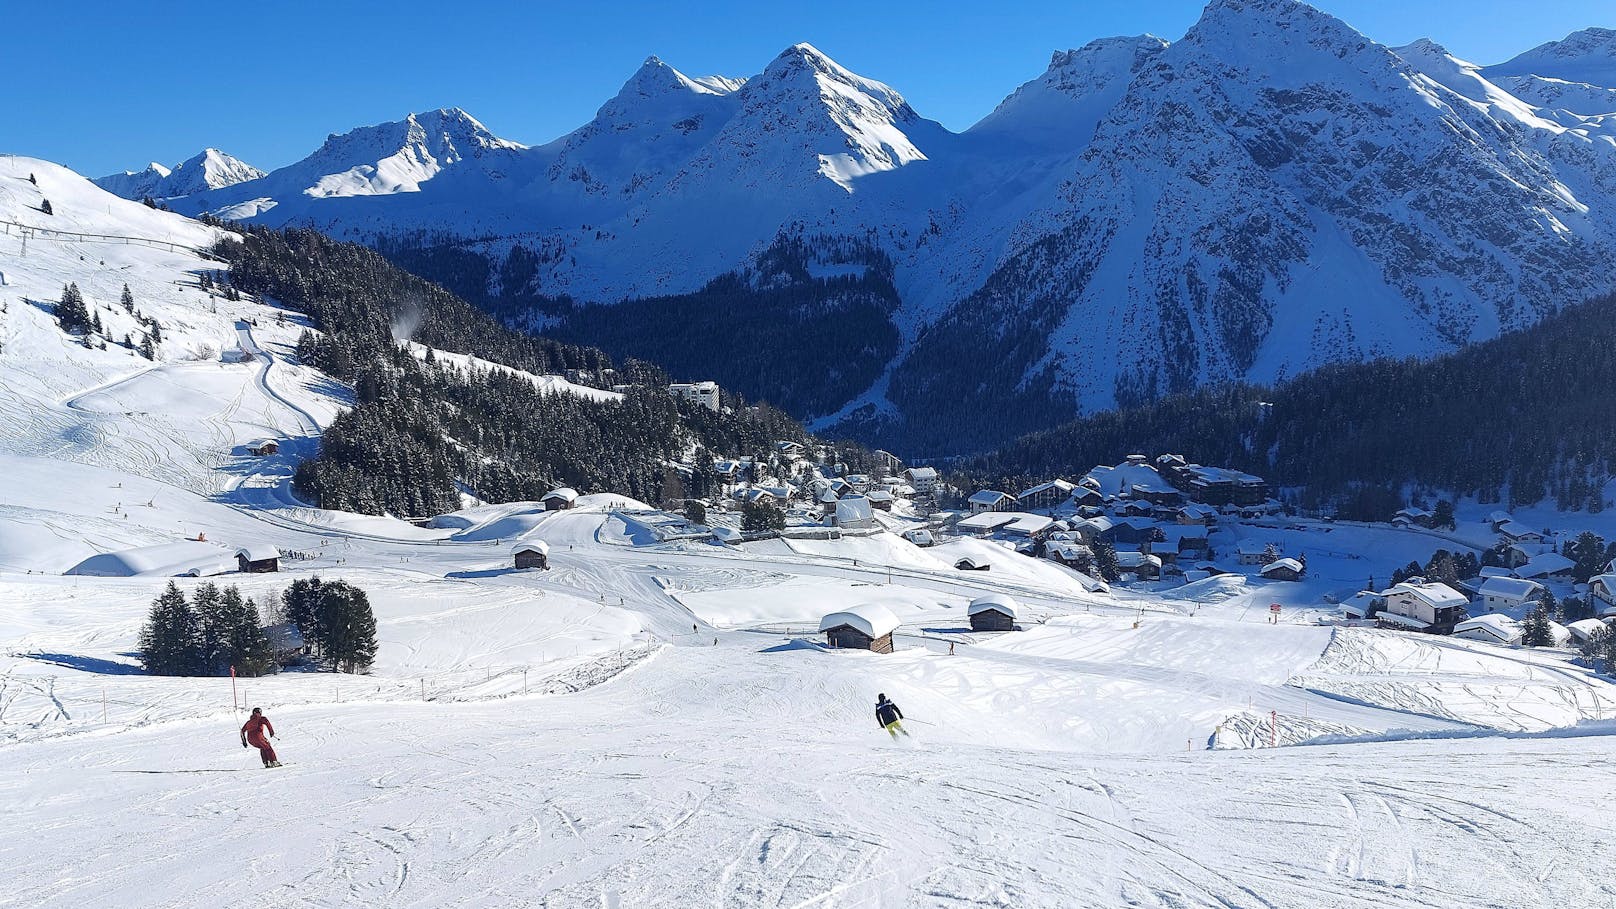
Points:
(253, 731)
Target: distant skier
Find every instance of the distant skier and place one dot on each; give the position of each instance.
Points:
(253, 731)
(888, 716)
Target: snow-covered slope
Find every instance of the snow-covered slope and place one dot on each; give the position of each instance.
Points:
(1273, 192)
(209, 170)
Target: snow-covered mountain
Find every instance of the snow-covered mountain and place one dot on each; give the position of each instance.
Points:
(211, 169)
(1272, 192)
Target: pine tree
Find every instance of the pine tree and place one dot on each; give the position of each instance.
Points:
(71, 313)
(127, 299)
(245, 647)
(1442, 515)
(1105, 560)
(45, 206)
(168, 640)
(347, 627)
(695, 512)
(1536, 631)
(147, 349)
(212, 629)
(761, 516)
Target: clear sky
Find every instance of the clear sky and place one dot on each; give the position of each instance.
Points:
(102, 86)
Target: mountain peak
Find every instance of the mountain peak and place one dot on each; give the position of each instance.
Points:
(1060, 107)
(1588, 57)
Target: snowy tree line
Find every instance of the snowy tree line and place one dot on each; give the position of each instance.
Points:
(1514, 420)
(216, 629)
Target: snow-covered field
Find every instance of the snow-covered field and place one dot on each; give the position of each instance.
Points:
(655, 724)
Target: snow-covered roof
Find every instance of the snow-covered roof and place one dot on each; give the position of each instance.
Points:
(853, 510)
(1511, 588)
(1067, 550)
(989, 497)
(987, 520)
(1517, 530)
(1028, 524)
(1277, 564)
(1586, 629)
(873, 619)
(1060, 486)
(879, 495)
(538, 546)
(1126, 559)
(1436, 594)
(922, 473)
(1501, 628)
(1113, 480)
(1097, 524)
(1545, 564)
(564, 493)
(1607, 581)
(992, 601)
(1495, 571)
(1500, 517)
(1251, 547)
(257, 552)
(918, 535)
(162, 560)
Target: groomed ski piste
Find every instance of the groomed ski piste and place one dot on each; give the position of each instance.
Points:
(658, 724)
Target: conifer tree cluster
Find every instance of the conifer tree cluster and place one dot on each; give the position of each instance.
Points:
(335, 620)
(71, 313)
(206, 634)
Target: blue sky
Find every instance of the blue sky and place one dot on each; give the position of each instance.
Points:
(107, 86)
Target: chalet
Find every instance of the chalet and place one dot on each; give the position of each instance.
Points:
(1518, 554)
(1430, 606)
(991, 500)
(1254, 552)
(789, 451)
(1193, 546)
(1070, 554)
(560, 499)
(1092, 530)
(859, 481)
(973, 563)
(258, 558)
(827, 502)
(1204, 515)
(880, 499)
(920, 536)
(855, 513)
(1498, 519)
(992, 612)
(1547, 565)
(1516, 532)
(1283, 570)
(1087, 497)
(1413, 517)
(1141, 565)
(1028, 526)
(1045, 495)
(1136, 532)
(757, 494)
(533, 555)
(1133, 509)
(1500, 594)
(1584, 631)
(985, 523)
(1602, 593)
(923, 479)
(1494, 629)
(264, 447)
(727, 470)
(867, 626)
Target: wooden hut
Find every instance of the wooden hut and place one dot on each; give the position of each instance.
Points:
(258, 558)
(868, 626)
(560, 499)
(992, 612)
(264, 447)
(533, 555)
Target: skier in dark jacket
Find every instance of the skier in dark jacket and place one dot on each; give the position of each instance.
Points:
(253, 731)
(888, 715)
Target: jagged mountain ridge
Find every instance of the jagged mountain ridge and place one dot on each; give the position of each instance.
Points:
(209, 169)
(1272, 192)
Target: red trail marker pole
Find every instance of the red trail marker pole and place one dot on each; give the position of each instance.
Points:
(235, 703)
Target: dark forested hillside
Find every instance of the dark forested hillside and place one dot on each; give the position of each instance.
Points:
(806, 328)
(420, 428)
(1521, 417)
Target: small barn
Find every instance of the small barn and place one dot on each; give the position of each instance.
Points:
(533, 555)
(264, 447)
(920, 536)
(1283, 570)
(560, 499)
(868, 626)
(992, 612)
(972, 563)
(258, 558)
